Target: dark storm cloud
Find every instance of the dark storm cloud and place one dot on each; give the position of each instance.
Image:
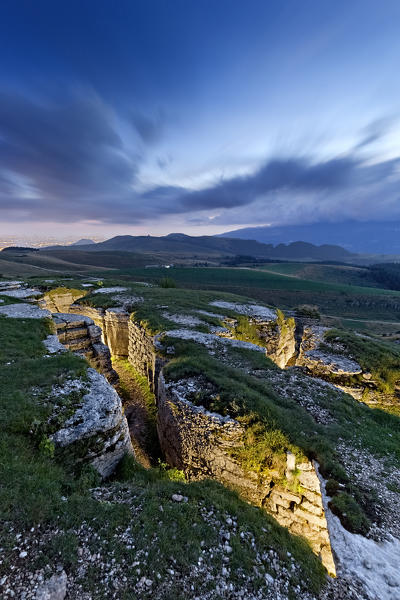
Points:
(69, 142)
(276, 174)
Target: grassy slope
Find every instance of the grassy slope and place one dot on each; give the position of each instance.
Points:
(338, 274)
(282, 291)
(36, 263)
(38, 491)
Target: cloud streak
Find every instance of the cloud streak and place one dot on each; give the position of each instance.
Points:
(69, 161)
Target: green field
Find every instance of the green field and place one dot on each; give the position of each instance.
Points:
(336, 299)
(340, 274)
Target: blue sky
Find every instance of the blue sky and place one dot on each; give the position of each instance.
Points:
(197, 116)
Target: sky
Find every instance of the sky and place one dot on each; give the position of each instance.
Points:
(197, 116)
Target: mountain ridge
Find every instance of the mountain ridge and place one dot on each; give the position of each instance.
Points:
(368, 237)
(182, 244)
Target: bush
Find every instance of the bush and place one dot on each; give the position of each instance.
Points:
(167, 282)
(308, 310)
(332, 487)
(350, 514)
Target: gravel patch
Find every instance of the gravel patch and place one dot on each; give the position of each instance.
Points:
(188, 320)
(104, 570)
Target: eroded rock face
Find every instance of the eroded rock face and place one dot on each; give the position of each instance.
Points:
(61, 302)
(142, 354)
(279, 339)
(97, 432)
(116, 331)
(201, 443)
(320, 362)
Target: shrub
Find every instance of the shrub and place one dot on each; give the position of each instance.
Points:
(247, 331)
(332, 487)
(350, 514)
(308, 310)
(167, 282)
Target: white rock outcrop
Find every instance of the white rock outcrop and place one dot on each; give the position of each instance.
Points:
(100, 423)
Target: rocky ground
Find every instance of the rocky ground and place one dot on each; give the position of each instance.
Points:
(103, 572)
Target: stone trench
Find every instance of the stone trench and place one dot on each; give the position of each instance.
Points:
(192, 439)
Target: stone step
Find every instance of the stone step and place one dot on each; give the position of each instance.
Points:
(78, 344)
(88, 354)
(72, 334)
(61, 324)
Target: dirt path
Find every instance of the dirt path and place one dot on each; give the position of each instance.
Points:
(141, 423)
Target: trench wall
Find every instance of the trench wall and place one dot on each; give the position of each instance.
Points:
(201, 443)
(142, 354)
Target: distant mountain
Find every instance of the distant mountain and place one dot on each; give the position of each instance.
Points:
(370, 237)
(181, 245)
(83, 242)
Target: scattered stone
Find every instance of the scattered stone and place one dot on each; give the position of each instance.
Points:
(177, 497)
(53, 345)
(110, 290)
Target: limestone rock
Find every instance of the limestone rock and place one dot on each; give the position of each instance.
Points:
(279, 339)
(116, 331)
(61, 302)
(100, 424)
(23, 292)
(331, 363)
(256, 311)
(10, 285)
(23, 311)
(320, 362)
(142, 354)
(53, 589)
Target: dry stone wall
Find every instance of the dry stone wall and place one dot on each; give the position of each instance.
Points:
(142, 354)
